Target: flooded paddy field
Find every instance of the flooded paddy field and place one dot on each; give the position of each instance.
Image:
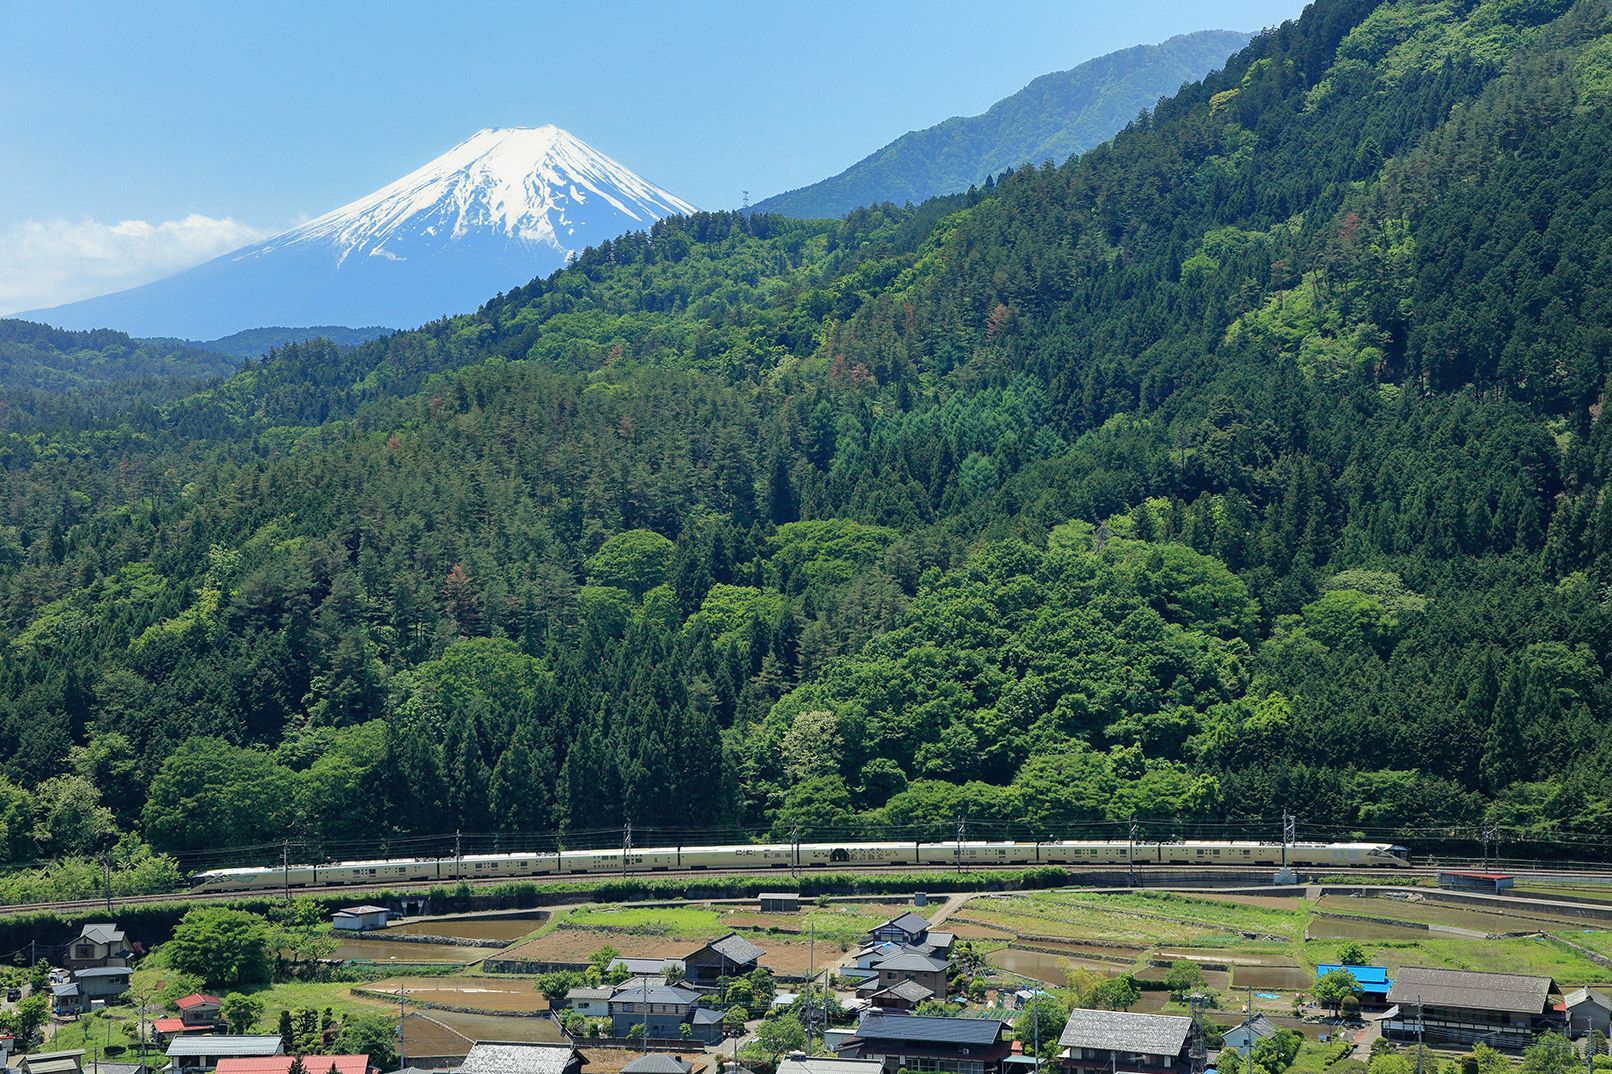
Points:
(1429, 912)
(486, 993)
(497, 931)
(450, 1033)
(391, 951)
(1335, 928)
(1272, 978)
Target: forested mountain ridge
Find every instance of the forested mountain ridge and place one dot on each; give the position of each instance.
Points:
(37, 356)
(1255, 460)
(1051, 119)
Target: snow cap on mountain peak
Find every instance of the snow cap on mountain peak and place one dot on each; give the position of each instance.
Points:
(539, 185)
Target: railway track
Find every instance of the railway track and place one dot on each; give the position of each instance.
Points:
(1535, 870)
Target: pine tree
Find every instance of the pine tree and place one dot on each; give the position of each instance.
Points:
(1503, 745)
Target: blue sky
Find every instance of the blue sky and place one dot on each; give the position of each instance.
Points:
(139, 137)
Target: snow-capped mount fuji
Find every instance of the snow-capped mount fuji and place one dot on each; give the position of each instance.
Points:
(496, 210)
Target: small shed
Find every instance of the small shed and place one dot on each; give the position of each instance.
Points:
(360, 918)
(1486, 883)
(1588, 1011)
(780, 902)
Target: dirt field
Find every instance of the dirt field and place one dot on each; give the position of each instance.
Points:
(789, 956)
(575, 945)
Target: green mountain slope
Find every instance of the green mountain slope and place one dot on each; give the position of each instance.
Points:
(41, 357)
(1052, 118)
(1254, 460)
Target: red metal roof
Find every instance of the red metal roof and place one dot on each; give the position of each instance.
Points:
(281, 1064)
(169, 1025)
(196, 999)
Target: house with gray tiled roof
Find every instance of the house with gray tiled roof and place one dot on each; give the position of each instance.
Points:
(1503, 1010)
(728, 956)
(1099, 1042)
(956, 1045)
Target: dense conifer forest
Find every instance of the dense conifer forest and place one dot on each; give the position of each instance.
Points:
(1256, 460)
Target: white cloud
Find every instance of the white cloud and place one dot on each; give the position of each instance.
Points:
(48, 262)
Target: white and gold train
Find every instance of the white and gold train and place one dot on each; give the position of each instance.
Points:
(803, 856)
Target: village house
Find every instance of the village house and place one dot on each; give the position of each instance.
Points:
(1588, 1011)
(79, 995)
(949, 1045)
(68, 999)
(907, 929)
(509, 1057)
(658, 1063)
(69, 1062)
(589, 1002)
(97, 946)
(1374, 982)
(901, 997)
(281, 1064)
(198, 1013)
(1246, 1037)
(203, 1051)
(729, 956)
(913, 968)
(646, 967)
(1462, 1007)
(662, 1010)
(796, 1063)
(1099, 1042)
(199, 1009)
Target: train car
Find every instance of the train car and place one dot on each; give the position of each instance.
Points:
(1108, 852)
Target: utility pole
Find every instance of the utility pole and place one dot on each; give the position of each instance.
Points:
(1035, 1027)
(106, 879)
(1248, 1031)
(1421, 1020)
(794, 849)
(285, 866)
(402, 1031)
(643, 1042)
(1199, 1057)
(142, 1001)
(962, 826)
(1289, 826)
(1491, 834)
(458, 855)
(626, 849)
(1130, 855)
(811, 975)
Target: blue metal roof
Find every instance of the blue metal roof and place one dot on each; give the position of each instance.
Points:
(1372, 979)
